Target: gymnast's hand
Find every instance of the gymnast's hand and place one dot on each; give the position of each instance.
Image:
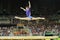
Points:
(29, 4)
(23, 8)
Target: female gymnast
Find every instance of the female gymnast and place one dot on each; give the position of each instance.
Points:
(27, 10)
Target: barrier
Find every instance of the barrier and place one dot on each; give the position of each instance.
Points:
(28, 37)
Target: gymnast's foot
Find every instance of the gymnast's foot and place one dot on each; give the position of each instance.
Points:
(30, 17)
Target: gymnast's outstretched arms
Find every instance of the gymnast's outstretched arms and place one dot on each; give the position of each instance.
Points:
(29, 4)
(23, 8)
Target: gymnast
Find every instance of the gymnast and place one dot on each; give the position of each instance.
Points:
(27, 10)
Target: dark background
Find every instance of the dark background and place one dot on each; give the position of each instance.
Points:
(50, 9)
(38, 7)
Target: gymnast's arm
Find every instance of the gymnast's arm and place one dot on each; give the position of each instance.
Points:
(29, 4)
(23, 8)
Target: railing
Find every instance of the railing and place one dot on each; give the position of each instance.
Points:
(28, 37)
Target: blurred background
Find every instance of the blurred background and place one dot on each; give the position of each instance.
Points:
(49, 9)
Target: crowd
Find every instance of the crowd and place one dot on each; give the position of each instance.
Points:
(31, 30)
(42, 30)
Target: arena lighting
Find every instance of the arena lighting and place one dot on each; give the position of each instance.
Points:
(26, 18)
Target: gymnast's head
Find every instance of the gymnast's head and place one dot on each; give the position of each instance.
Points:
(27, 7)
